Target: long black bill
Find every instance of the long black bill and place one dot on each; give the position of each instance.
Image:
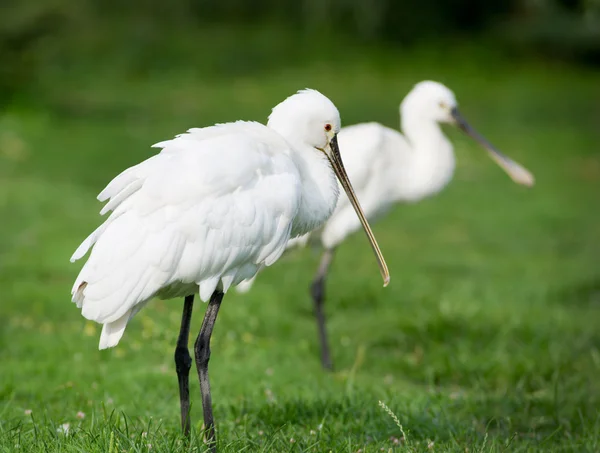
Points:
(338, 167)
(517, 172)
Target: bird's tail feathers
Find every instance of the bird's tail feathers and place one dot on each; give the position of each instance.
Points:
(245, 286)
(113, 331)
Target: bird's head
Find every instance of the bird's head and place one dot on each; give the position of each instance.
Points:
(307, 117)
(431, 101)
(311, 119)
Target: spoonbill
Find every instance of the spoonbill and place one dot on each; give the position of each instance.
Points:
(212, 208)
(387, 167)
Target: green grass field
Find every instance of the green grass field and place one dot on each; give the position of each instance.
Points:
(487, 338)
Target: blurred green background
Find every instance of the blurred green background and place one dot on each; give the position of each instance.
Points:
(487, 338)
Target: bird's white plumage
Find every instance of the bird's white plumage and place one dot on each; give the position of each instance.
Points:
(387, 167)
(212, 208)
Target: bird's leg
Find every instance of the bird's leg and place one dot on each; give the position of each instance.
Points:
(183, 363)
(317, 290)
(202, 351)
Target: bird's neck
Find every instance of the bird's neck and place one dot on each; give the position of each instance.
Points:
(319, 190)
(430, 164)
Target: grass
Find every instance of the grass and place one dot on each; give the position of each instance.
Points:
(486, 340)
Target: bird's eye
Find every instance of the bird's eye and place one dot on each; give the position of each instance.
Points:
(443, 105)
(328, 127)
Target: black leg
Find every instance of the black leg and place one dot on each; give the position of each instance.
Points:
(202, 350)
(317, 290)
(183, 363)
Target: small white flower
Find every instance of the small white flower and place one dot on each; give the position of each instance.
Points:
(64, 428)
(80, 415)
(28, 411)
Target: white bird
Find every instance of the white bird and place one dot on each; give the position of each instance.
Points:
(212, 208)
(386, 168)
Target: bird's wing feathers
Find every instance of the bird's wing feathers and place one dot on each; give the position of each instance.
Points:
(214, 206)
